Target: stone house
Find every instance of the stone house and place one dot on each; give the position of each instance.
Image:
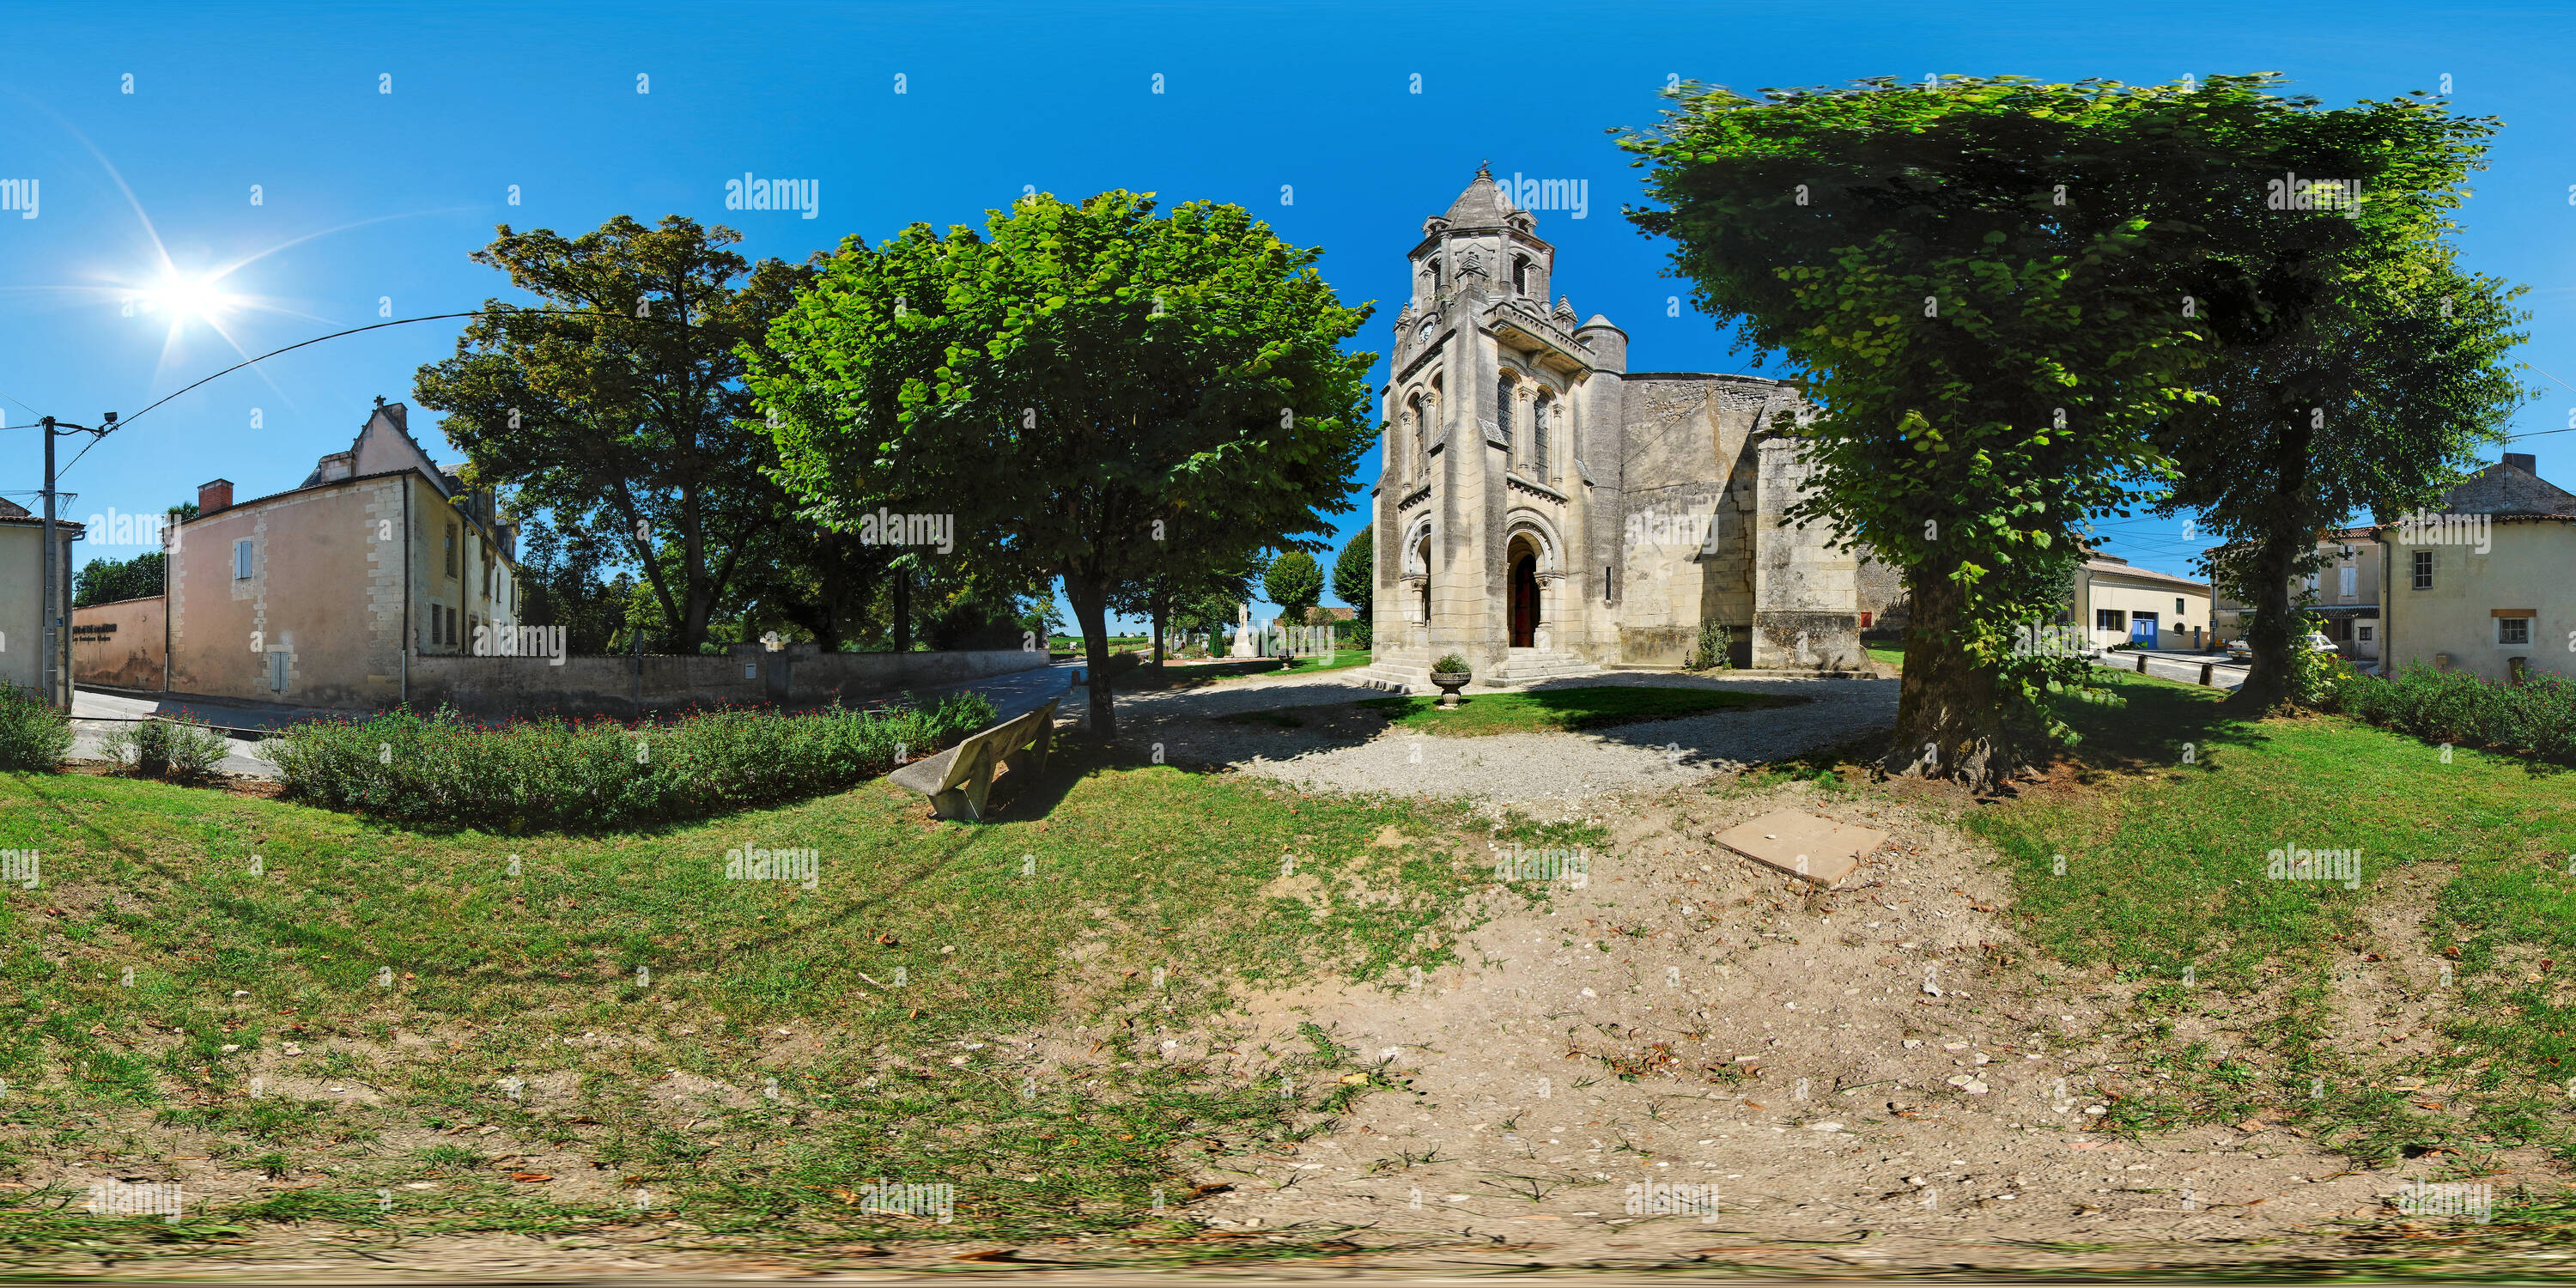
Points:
(323, 594)
(22, 599)
(1544, 511)
(2481, 584)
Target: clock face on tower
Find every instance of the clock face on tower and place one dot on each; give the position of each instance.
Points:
(1424, 336)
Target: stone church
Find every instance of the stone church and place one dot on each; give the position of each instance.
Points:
(1543, 511)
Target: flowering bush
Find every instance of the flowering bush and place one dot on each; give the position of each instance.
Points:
(600, 775)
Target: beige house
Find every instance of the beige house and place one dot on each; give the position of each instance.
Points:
(22, 598)
(2116, 603)
(323, 594)
(2483, 584)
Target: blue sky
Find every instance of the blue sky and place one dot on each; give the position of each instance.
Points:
(370, 197)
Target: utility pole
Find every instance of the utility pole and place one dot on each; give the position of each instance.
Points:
(55, 654)
(45, 556)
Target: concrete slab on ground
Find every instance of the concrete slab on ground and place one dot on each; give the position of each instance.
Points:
(1816, 850)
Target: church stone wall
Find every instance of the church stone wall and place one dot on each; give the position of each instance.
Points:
(1803, 591)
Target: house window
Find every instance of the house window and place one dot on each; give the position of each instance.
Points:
(2423, 570)
(2110, 619)
(1503, 419)
(451, 550)
(2366, 633)
(2312, 583)
(241, 561)
(2178, 608)
(1520, 277)
(2347, 580)
(2513, 630)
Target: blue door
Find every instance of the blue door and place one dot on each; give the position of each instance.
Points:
(2142, 629)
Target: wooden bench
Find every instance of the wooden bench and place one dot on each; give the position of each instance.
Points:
(957, 780)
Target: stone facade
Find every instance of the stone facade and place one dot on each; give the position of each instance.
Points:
(1541, 510)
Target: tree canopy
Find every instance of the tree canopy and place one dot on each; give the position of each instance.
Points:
(1999, 294)
(1075, 386)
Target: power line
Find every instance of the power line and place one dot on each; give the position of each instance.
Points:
(376, 326)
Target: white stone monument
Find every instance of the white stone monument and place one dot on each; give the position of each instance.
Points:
(1246, 641)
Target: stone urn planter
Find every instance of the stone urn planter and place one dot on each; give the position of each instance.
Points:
(1449, 682)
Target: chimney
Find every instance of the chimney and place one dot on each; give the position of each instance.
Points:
(2523, 461)
(214, 496)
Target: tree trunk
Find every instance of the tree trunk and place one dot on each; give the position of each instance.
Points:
(902, 610)
(1154, 604)
(1949, 713)
(2287, 534)
(1090, 610)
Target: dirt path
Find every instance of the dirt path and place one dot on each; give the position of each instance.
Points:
(1868, 1066)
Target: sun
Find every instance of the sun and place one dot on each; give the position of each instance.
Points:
(185, 299)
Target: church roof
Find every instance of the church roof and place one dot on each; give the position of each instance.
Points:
(1482, 205)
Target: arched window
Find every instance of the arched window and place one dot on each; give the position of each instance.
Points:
(1503, 422)
(1539, 416)
(1520, 276)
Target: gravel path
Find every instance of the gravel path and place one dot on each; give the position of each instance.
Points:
(1337, 755)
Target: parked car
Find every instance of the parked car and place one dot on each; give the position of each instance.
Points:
(2313, 641)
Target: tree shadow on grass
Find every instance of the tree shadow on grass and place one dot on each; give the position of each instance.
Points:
(2151, 725)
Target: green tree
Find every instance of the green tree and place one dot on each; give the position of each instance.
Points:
(107, 581)
(1355, 573)
(2377, 402)
(619, 397)
(1998, 292)
(560, 585)
(1294, 583)
(1067, 377)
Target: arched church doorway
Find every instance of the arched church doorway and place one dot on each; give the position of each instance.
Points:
(1524, 594)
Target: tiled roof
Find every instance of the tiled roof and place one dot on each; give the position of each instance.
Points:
(2115, 568)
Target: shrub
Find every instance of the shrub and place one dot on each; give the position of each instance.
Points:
(1716, 647)
(32, 734)
(2536, 718)
(1452, 664)
(601, 776)
(167, 748)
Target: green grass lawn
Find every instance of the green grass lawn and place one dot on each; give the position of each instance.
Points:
(1341, 660)
(1098, 911)
(1894, 657)
(2165, 871)
(1561, 710)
